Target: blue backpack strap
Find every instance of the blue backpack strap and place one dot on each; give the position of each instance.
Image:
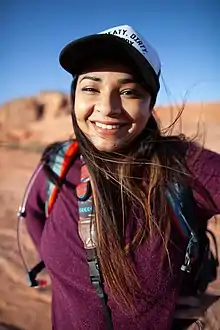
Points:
(58, 164)
(181, 201)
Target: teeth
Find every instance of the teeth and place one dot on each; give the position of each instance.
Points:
(104, 126)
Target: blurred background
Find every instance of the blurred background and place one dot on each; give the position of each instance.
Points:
(34, 103)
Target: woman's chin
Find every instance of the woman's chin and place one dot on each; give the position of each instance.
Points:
(107, 146)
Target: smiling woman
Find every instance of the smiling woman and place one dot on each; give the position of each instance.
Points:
(127, 200)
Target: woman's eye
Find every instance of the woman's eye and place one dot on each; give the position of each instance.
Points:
(131, 92)
(89, 89)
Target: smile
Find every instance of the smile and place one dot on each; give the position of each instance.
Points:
(107, 126)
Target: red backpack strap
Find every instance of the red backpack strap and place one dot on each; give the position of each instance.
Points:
(59, 164)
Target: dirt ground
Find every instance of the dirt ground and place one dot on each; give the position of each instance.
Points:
(21, 307)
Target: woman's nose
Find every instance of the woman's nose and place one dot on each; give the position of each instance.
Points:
(109, 104)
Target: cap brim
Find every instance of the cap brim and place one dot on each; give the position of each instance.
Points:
(76, 55)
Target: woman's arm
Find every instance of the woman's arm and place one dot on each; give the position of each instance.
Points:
(35, 208)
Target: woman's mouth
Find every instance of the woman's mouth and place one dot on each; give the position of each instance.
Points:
(107, 129)
(107, 126)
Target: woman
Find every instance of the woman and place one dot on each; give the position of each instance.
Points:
(130, 166)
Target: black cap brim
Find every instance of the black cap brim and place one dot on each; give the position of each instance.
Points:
(76, 55)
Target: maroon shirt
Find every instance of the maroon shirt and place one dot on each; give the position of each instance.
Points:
(75, 304)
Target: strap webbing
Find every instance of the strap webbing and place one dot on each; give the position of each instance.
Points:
(96, 280)
(87, 234)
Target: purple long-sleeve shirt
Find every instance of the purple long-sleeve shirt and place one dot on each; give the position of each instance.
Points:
(75, 304)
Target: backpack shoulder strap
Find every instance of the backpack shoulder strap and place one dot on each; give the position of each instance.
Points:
(182, 205)
(59, 163)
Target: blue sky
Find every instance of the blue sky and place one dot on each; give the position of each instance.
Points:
(185, 33)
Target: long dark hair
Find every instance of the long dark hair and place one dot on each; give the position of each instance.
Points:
(131, 183)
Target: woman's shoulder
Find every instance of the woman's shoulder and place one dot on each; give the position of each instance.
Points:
(49, 170)
(202, 162)
(204, 168)
(200, 155)
(57, 148)
(52, 162)
(196, 155)
(62, 161)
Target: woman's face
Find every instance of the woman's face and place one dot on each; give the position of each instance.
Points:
(111, 107)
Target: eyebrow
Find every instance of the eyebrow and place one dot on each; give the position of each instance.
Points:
(93, 78)
(121, 81)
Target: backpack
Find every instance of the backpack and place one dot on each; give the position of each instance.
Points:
(199, 265)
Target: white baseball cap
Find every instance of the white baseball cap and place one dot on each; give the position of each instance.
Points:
(119, 42)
